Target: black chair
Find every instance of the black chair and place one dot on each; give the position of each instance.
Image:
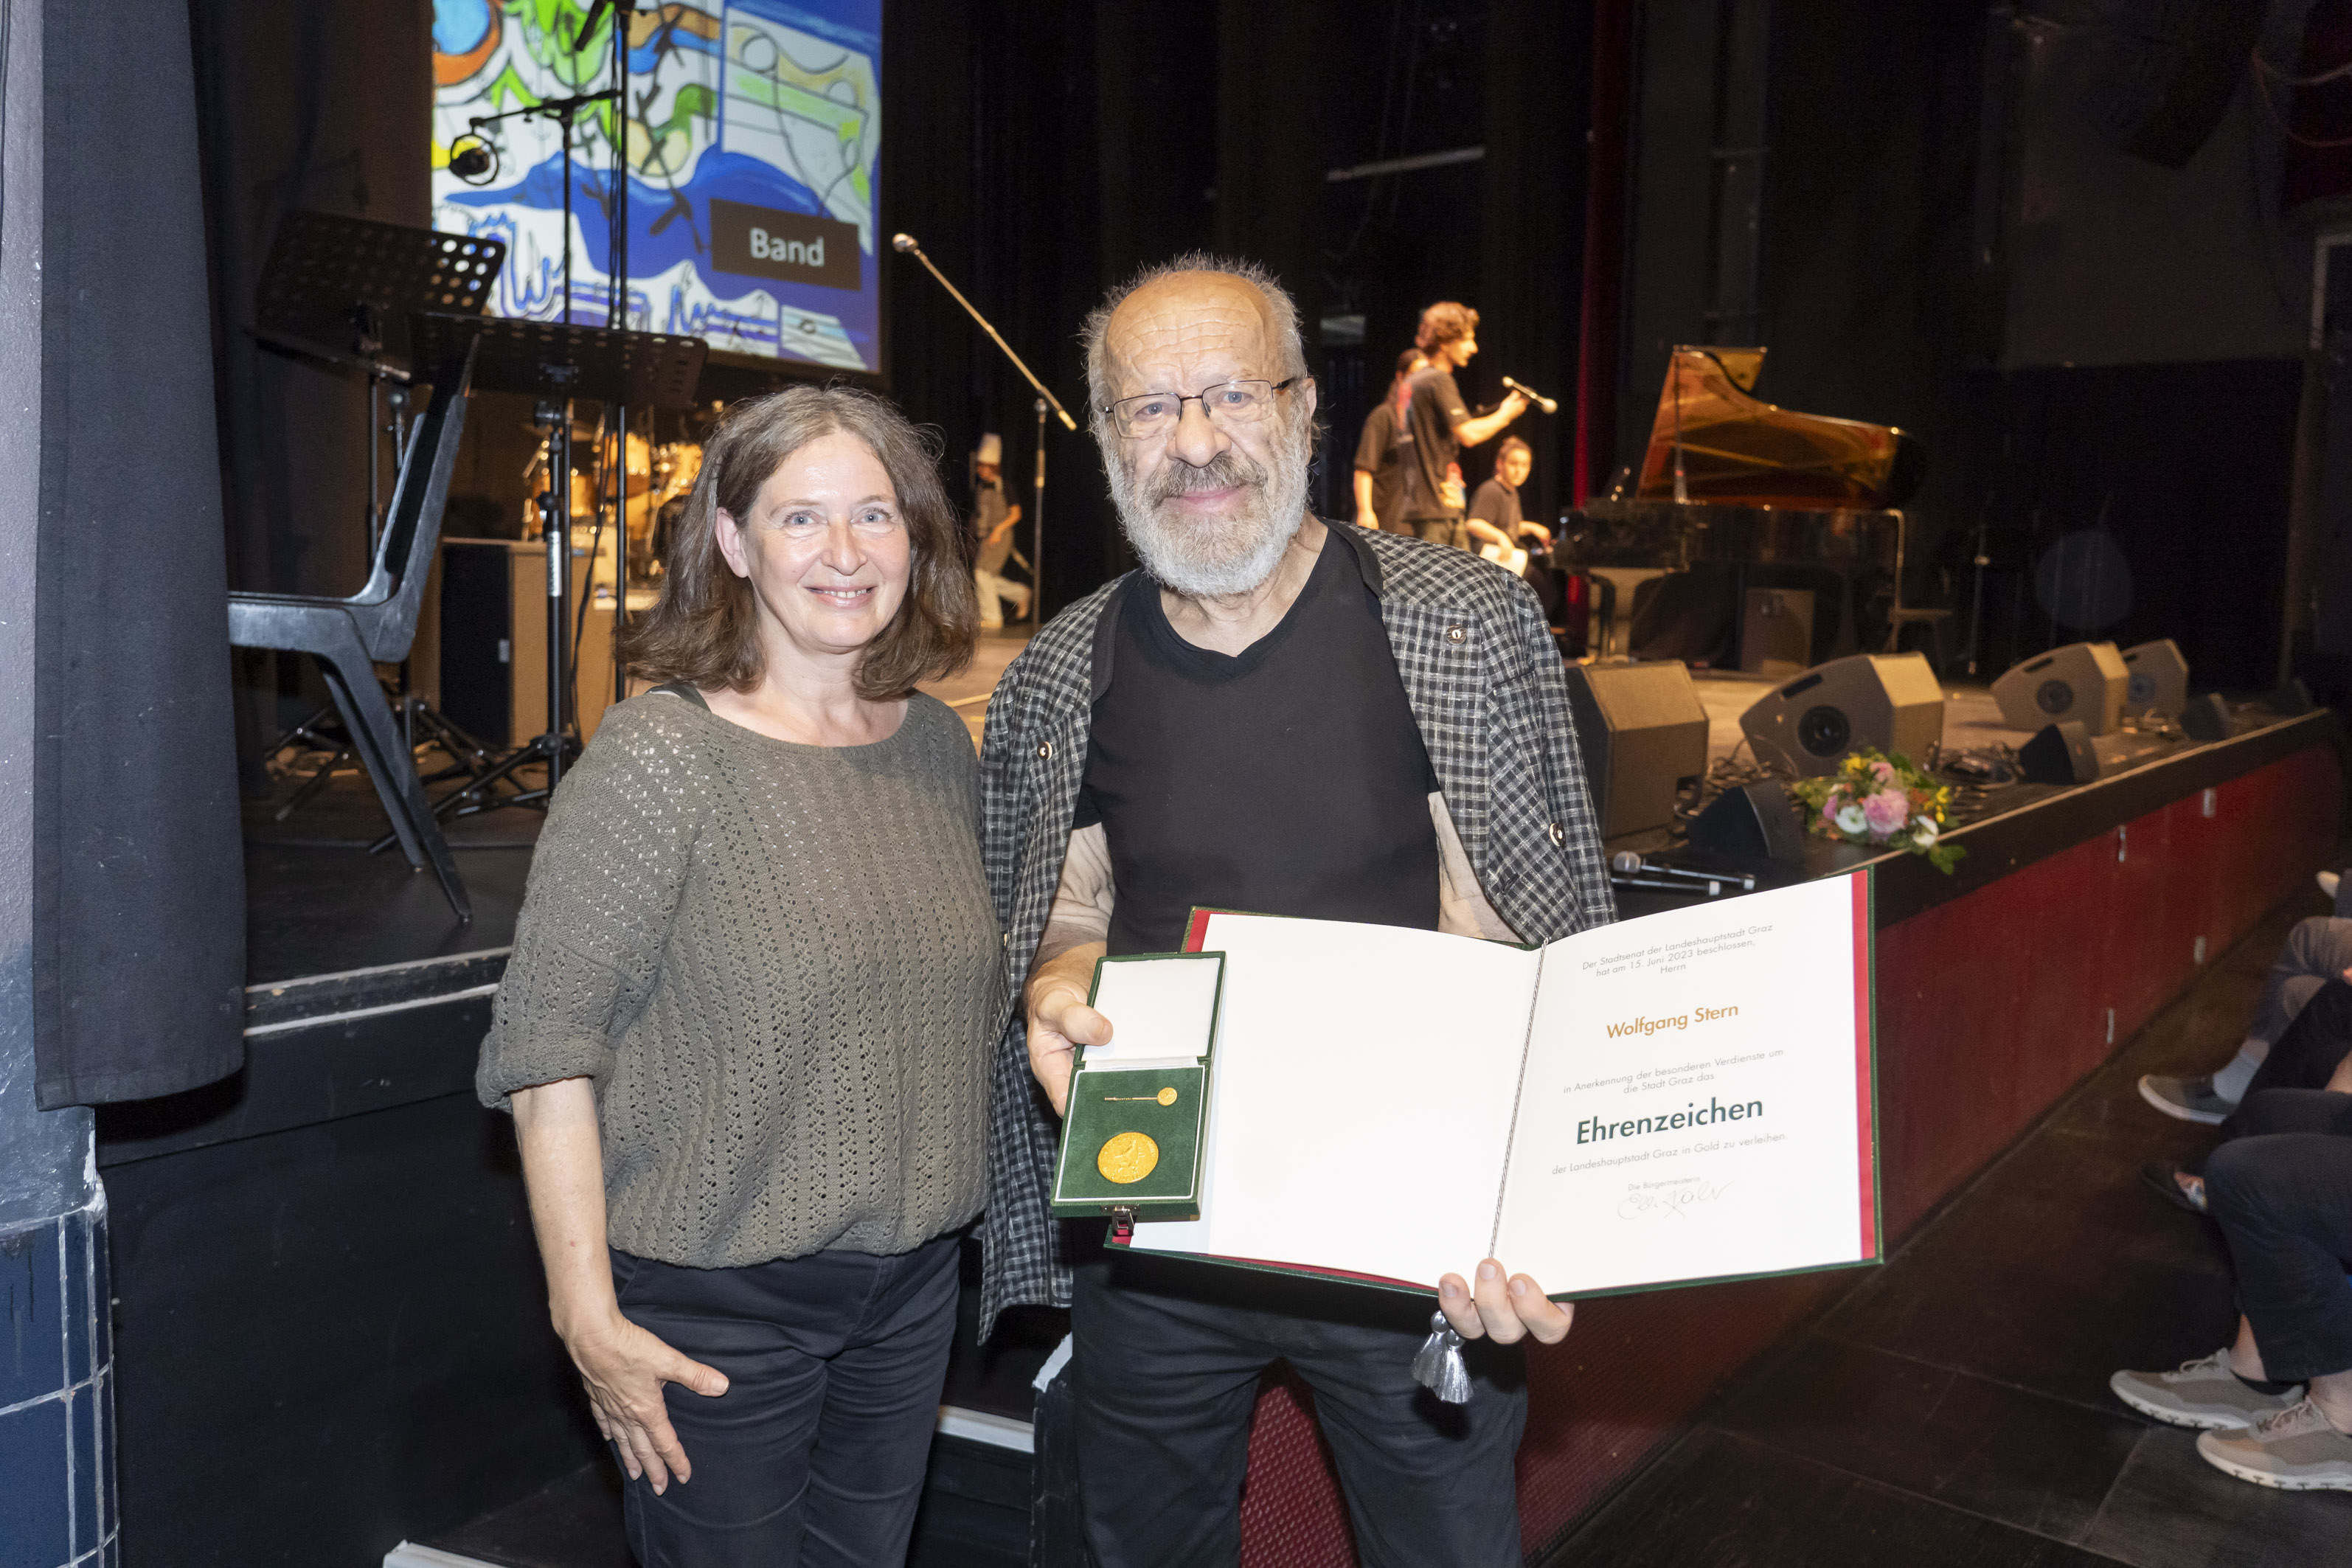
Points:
(349, 637)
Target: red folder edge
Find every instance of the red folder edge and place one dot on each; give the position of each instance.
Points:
(1865, 1062)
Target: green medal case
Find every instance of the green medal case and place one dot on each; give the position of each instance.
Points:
(1132, 1128)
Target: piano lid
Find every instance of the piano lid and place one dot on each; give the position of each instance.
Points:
(1737, 449)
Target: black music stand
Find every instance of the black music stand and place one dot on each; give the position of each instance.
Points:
(340, 288)
(557, 363)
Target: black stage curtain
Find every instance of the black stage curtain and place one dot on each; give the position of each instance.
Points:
(138, 885)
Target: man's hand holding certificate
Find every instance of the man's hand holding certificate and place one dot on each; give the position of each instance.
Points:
(1484, 1301)
(1668, 1100)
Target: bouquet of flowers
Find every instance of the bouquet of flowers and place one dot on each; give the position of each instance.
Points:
(1882, 801)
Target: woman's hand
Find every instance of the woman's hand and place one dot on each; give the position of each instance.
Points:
(622, 1365)
(624, 1368)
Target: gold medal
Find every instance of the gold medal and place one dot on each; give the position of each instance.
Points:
(1165, 1097)
(1128, 1157)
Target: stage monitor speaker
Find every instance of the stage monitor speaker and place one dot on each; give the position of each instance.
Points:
(2156, 678)
(2207, 718)
(1642, 732)
(2083, 681)
(1753, 822)
(1890, 701)
(2061, 753)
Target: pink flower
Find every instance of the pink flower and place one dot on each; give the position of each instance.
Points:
(1887, 811)
(1882, 771)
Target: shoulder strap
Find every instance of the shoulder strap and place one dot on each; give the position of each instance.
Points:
(683, 689)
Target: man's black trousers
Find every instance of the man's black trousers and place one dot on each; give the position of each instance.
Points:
(2285, 1202)
(815, 1453)
(1166, 1365)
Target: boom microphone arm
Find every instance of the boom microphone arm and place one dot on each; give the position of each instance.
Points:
(906, 242)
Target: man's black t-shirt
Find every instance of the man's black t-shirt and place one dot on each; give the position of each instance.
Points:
(1499, 503)
(1378, 454)
(1430, 418)
(1291, 780)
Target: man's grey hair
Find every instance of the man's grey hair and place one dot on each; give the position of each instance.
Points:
(1280, 308)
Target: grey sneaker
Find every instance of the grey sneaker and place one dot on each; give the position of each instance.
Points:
(2188, 1099)
(2204, 1392)
(2295, 1450)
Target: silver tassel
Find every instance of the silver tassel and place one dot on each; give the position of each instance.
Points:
(1438, 1367)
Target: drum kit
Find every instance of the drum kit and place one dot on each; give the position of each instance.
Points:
(656, 479)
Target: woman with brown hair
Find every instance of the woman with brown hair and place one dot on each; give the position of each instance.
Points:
(745, 1028)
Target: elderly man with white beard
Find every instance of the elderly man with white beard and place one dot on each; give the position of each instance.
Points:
(1293, 718)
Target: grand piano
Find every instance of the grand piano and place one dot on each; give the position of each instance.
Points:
(1734, 494)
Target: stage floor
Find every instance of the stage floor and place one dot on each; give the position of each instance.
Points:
(318, 903)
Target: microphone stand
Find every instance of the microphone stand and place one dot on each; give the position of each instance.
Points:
(555, 516)
(905, 243)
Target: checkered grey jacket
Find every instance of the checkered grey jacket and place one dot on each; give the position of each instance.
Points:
(1484, 681)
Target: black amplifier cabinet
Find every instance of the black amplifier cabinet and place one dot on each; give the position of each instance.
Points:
(493, 670)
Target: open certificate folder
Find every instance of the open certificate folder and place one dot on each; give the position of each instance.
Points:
(1683, 1097)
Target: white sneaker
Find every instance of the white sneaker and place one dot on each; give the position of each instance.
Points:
(2296, 1451)
(2203, 1393)
(2187, 1099)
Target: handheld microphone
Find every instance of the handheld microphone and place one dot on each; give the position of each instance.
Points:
(902, 242)
(1549, 404)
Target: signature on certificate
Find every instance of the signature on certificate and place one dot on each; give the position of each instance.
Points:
(1669, 1200)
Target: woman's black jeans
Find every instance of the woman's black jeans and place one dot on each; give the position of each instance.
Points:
(815, 1453)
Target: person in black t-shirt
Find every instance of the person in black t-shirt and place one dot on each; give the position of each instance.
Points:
(1439, 424)
(1252, 741)
(1495, 519)
(1379, 467)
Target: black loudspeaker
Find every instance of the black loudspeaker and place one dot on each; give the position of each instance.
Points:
(2156, 678)
(1890, 701)
(2062, 754)
(1642, 732)
(2084, 682)
(2207, 718)
(1754, 822)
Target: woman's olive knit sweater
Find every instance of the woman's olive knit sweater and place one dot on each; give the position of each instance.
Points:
(780, 967)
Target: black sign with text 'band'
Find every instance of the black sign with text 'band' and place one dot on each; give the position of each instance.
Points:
(795, 248)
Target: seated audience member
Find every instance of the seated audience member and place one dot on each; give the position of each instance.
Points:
(2276, 1405)
(2317, 951)
(2304, 1082)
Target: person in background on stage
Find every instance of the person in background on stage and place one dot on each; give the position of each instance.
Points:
(1495, 519)
(993, 521)
(1380, 452)
(745, 1029)
(1240, 724)
(1438, 424)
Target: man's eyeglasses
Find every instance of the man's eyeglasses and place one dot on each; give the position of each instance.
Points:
(1227, 403)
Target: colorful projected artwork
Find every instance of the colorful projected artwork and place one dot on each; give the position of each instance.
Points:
(751, 130)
